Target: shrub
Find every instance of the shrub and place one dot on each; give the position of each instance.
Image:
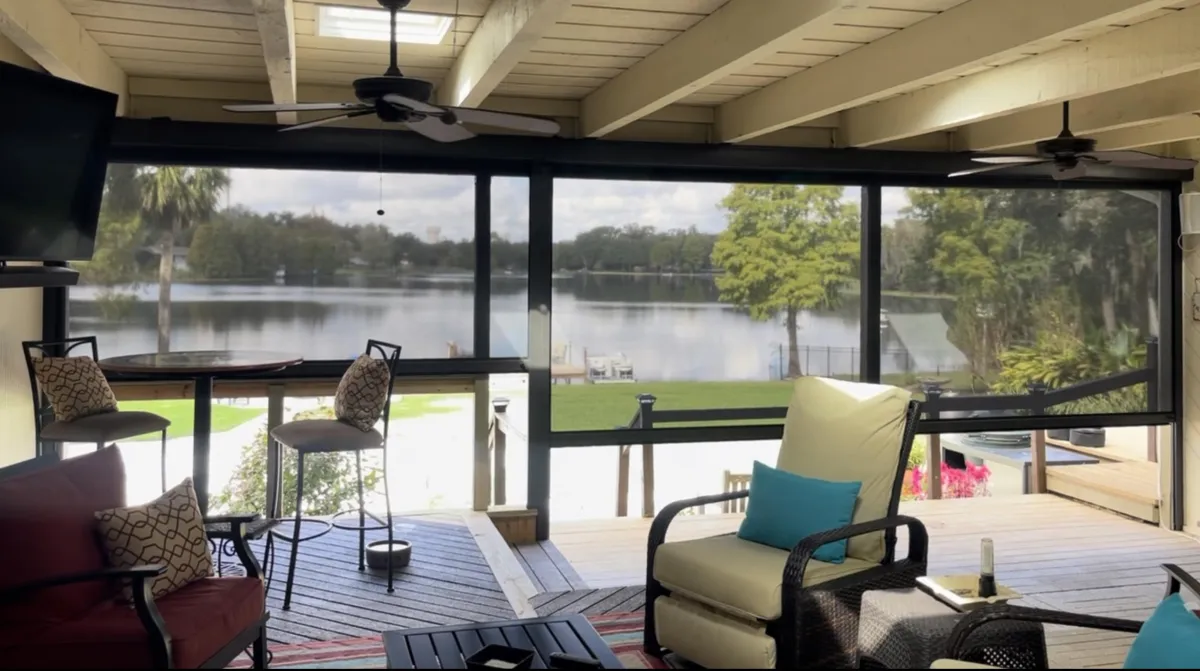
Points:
(329, 479)
(956, 483)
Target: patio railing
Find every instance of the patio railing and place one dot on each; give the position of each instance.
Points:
(937, 404)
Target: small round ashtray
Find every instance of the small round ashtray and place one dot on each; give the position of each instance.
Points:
(377, 554)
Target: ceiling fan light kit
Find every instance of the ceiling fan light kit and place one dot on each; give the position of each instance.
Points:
(394, 98)
(1070, 156)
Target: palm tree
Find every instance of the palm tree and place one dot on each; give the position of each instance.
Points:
(173, 199)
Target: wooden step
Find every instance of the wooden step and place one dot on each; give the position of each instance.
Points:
(1128, 487)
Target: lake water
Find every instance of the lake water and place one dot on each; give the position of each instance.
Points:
(668, 327)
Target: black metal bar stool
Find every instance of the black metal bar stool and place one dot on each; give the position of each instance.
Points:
(60, 381)
(364, 394)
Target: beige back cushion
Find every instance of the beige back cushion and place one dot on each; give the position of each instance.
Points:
(843, 432)
(362, 393)
(75, 386)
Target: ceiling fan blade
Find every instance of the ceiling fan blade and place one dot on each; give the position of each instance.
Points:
(530, 124)
(327, 120)
(1008, 160)
(1140, 159)
(298, 107)
(412, 104)
(990, 168)
(436, 129)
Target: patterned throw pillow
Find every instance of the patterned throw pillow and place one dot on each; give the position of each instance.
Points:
(75, 386)
(169, 530)
(362, 393)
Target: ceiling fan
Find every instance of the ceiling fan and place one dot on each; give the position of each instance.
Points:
(395, 98)
(1071, 156)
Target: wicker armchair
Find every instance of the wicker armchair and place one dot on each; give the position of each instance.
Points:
(963, 650)
(724, 602)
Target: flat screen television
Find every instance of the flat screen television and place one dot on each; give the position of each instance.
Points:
(54, 138)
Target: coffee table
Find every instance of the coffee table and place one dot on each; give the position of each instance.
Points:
(447, 647)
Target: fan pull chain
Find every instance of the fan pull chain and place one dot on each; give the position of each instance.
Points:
(380, 211)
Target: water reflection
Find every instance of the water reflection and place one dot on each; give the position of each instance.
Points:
(668, 327)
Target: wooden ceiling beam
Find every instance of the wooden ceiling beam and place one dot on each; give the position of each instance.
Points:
(1178, 129)
(1154, 49)
(277, 28)
(51, 36)
(953, 42)
(1152, 102)
(737, 35)
(507, 32)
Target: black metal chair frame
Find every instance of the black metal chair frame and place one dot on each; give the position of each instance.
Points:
(141, 580)
(992, 653)
(43, 412)
(294, 539)
(818, 627)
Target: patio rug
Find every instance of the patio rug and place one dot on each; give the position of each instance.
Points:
(621, 631)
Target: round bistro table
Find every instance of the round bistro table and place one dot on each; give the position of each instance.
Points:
(202, 367)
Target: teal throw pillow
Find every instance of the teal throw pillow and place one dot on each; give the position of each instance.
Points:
(1170, 639)
(784, 508)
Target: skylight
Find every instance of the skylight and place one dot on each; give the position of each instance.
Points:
(372, 24)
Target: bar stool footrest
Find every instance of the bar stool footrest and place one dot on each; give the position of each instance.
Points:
(337, 523)
(326, 525)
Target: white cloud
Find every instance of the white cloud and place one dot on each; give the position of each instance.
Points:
(416, 203)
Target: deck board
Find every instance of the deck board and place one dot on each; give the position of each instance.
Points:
(448, 582)
(1059, 553)
(547, 568)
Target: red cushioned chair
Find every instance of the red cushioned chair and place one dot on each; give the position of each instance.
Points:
(58, 598)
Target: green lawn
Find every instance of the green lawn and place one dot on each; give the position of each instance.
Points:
(582, 407)
(181, 414)
(589, 407)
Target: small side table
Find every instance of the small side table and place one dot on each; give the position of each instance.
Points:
(909, 629)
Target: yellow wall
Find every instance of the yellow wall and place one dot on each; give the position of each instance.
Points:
(20, 319)
(1191, 365)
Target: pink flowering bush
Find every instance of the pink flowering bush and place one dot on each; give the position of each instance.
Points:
(956, 483)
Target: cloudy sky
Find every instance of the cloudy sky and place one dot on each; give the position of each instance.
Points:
(417, 203)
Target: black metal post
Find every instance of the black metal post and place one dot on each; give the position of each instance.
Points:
(870, 284)
(541, 252)
(1153, 387)
(201, 434)
(481, 347)
(1170, 339)
(55, 322)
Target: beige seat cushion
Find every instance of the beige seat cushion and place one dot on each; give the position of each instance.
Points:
(710, 638)
(106, 427)
(845, 432)
(739, 577)
(169, 530)
(326, 435)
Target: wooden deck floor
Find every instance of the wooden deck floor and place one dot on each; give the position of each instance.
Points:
(449, 581)
(1058, 553)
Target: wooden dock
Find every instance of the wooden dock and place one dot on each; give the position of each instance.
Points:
(1059, 553)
